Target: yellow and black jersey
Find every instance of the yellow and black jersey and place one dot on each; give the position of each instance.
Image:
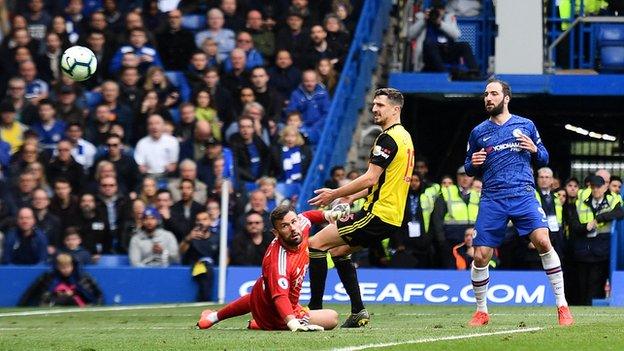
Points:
(394, 152)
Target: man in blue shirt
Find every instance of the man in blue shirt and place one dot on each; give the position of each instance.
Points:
(25, 244)
(501, 150)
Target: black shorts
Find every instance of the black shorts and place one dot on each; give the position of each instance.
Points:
(363, 229)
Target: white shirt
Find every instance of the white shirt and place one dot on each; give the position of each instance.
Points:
(156, 154)
(84, 153)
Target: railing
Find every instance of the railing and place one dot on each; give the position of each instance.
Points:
(349, 97)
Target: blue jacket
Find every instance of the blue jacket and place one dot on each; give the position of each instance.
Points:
(115, 64)
(313, 106)
(254, 59)
(18, 250)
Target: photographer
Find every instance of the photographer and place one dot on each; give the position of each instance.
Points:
(200, 250)
(436, 33)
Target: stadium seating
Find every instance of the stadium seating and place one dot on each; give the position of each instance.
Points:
(179, 81)
(113, 261)
(610, 45)
(194, 23)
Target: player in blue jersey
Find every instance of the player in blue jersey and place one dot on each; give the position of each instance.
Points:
(501, 151)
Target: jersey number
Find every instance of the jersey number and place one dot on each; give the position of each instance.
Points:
(410, 164)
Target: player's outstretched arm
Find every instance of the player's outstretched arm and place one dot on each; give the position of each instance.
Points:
(325, 196)
(474, 157)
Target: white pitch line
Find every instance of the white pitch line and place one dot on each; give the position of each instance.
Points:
(443, 338)
(102, 309)
(441, 314)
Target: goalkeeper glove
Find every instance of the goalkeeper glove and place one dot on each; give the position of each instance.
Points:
(295, 325)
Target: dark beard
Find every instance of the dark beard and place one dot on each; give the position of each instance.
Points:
(497, 110)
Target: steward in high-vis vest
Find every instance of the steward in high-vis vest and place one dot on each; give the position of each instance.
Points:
(590, 229)
(412, 246)
(455, 210)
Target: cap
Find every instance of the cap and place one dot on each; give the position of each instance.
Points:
(6, 106)
(151, 212)
(595, 180)
(461, 170)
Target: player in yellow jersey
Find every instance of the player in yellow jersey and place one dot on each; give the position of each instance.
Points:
(385, 186)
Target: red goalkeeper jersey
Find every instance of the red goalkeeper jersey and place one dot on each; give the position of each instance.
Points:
(275, 294)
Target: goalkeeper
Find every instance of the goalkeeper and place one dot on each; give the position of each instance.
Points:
(274, 299)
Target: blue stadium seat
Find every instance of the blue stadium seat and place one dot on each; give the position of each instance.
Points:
(250, 186)
(178, 80)
(194, 23)
(288, 190)
(93, 98)
(113, 261)
(610, 44)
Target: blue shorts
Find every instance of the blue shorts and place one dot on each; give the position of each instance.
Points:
(525, 212)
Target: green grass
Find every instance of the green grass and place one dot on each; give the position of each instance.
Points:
(173, 329)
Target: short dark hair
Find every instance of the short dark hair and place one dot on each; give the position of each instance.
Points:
(279, 213)
(62, 180)
(614, 177)
(394, 96)
(336, 168)
(504, 85)
(187, 181)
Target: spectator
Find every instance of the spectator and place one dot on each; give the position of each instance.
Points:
(150, 105)
(46, 222)
(464, 252)
(67, 106)
(100, 125)
(266, 95)
(183, 212)
(253, 58)
(344, 11)
(21, 196)
(148, 56)
(64, 165)
(188, 171)
(149, 191)
(220, 94)
(320, 49)
(156, 80)
(290, 157)
(284, 76)
(309, 13)
(82, 151)
(38, 19)
(36, 89)
(50, 60)
(114, 205)
(590, 222)
(211, 49)
(184, 129)
(25, 244)
(337, 35)
(258, 203)
(64, 205)
(72, 245)
(231, 14)
(175, 44)
(157, 153)
(119, 112)
(294, 38)
(249, 245)
(205, 110)
(195, 147)
(25, 111)
(223, 36)
(126, 169)
(274, 198)
(246, 95)
(337, 177)
(37, 169)
(312, 100)
(238, 77)
(453, 212)
(94, 228)
(200, 249)
(131, 93)
(327, 75)
(48, 128)
(194, 71)
(100, 43)
(153, 246)
(215, 150)
(436, 34)
(263, 38)
(65, 285)
(250, 152)
(133, 224)
(412, 246)
(615, 185)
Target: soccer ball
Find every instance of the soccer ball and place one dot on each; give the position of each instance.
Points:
(78, 63)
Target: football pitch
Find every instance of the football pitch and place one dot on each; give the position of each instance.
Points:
(394, 327)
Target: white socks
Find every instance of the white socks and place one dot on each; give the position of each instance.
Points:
(480, 279)
(552, 267)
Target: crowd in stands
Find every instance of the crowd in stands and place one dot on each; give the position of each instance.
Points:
(132, 161)
(438, 227)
